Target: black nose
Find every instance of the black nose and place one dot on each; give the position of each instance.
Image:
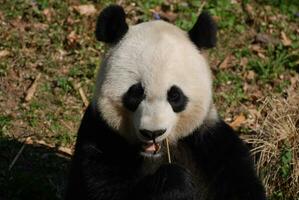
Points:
(152, 134)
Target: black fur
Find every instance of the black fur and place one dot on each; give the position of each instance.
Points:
(225, 161)
(177, 99)
(111, 24)
(203, 33)
(133, 97)
(105, 166)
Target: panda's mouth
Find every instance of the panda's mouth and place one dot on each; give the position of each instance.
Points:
(151, 148)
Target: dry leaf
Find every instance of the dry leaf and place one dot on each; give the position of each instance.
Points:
(72, 37)
(238, 121)
(86, 10)
(168, 15)
(244, 62)
(40, 26)
(225, 63)
(4, 53)
(246, 86)
(65, 150)
(1, 15)
(256, 48)
(48, 12)
(285, 40)
(28, 140)
(261, 55)
(31, 91)
(43, 143)
(70, 20)
(266, 39)
(250, 75)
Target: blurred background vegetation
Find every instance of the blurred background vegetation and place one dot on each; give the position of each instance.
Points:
(49, 58)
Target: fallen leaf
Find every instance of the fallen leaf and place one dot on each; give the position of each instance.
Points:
(70, 20)
(169, 16)
(261, 55)
(72, 37)
(249, 9)
(238, 121)
(48, 12)
(40, 26)
(246, 86)
(164, 13)
(4, 53)
(43, 143)
(256, 95)
(65, 150)
(250, 75)
(284, 39)
(32, 89)
(265, 39)
(225, 63)
(244, 62)
(1, 15)
(257, 48)
(28, 140)
(86, 10)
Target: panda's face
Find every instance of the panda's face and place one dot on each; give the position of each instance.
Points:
(154, 84)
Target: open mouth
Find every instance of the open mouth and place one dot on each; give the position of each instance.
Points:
(151, 148)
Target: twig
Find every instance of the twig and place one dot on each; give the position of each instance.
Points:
(83, 97)
(67, 126)
(82, 94)
(16, 157)
(201, 7)
(168, 151)
(30, 92)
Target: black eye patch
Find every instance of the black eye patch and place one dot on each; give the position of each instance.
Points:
(133, 97)
(177, 99)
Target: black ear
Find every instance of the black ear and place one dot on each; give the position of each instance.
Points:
(203, 33)
(111, 24)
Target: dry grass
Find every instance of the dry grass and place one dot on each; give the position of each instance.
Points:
(276, 146)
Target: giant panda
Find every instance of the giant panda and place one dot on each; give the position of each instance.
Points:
(154, 88)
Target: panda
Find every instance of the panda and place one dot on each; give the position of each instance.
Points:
(152, 131)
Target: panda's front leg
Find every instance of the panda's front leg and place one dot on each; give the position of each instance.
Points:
(225, 162)
(169, 182)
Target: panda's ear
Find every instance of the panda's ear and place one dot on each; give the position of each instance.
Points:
(203, 34)
(111, 24)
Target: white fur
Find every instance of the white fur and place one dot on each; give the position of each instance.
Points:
(159, 55)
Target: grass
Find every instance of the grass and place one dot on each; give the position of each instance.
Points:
(51, 38)
(276, 146)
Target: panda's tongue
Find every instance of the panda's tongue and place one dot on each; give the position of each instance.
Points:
(151, 148)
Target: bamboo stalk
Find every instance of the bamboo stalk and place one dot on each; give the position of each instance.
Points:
(168, 151)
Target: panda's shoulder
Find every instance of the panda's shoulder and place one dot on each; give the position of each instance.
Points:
(217, 137)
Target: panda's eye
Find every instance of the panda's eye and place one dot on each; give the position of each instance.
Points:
(173, 95)
(177, 99)
(133, 97)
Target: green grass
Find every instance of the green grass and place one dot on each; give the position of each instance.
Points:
(278, 60)
(5, 121)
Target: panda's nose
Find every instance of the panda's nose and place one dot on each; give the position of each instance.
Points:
(152, 134)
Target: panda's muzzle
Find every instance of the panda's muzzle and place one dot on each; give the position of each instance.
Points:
(152, 147)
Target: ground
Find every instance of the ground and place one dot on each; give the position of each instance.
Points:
(49, 58)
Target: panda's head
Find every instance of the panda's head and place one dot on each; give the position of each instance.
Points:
(154, 82)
